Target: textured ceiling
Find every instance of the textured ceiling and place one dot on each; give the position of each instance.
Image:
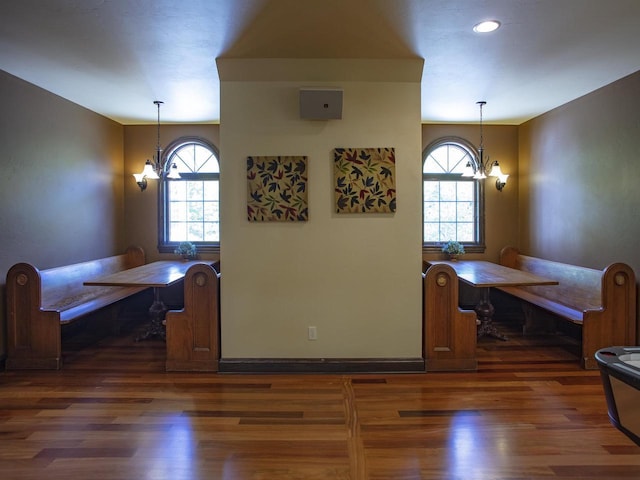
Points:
(116, 56)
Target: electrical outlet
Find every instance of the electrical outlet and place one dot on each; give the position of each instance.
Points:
(313, 333)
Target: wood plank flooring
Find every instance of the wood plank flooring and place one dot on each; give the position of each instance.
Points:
(113, 413)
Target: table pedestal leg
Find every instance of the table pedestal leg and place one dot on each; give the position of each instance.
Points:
(485, 311)
(157, 312)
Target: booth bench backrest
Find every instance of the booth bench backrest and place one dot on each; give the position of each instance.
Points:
(62, 287)
(578, 287)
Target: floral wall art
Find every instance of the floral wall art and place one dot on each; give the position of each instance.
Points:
(365, 180)
(277, 189)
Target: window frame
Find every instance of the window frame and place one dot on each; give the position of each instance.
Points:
(164, 245)
(470, 247)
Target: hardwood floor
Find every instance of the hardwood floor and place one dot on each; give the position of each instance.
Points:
(112, 413)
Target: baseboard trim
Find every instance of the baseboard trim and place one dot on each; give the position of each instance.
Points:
(321, 365)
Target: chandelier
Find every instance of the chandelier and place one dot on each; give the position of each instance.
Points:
(153, 170)
(479, 170)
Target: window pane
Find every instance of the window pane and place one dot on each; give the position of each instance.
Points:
(211, 212)
(447, 232)
(465, 212)
(439, 158)
(211, 190)
(448, 191)
(431, 211)
(178, 231)
(212, 232)
(205, 161)
(458, 158)
(466, 191)
(431, 232)
(431, 191)
(195, 211)
(183, 158)
(177, 190)
(448, 211)
(195, 232)
(465, 232)
(194, 190)
(178, 211)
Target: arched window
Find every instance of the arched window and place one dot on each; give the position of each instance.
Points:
(452, 205)
(190, 206)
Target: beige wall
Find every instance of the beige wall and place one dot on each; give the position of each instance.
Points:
(357, 277)
(579, 176)
(61, 182)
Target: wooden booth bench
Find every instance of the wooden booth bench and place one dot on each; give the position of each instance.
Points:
(449, 332)
(602, 302)
(193, 333)
(39, 302)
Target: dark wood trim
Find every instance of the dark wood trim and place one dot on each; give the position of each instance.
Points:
(321, 365)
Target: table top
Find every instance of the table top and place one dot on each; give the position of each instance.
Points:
(479, 273)
(156, 274)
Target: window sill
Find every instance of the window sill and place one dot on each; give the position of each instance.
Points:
(170, 248)
(431, 249)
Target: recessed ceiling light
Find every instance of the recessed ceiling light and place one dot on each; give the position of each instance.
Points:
(486, 26)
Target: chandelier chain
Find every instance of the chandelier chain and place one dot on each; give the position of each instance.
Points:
(158, 149)
(482, 104)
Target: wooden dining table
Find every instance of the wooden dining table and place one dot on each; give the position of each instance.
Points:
(156, 275)
(484, 275)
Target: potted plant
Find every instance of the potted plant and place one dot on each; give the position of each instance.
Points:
(186, 250)
(453, 249)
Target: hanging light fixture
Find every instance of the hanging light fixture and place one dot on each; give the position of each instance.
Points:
(479, 171)
(153, 170)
